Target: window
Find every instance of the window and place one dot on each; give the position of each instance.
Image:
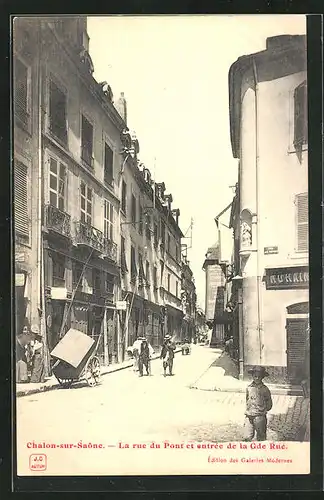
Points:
(133, 213)
(57, 112)
(21, 91)
(58, 273)
(21, 199)
(156, 235)
(109, 221)
(57, 185)
(109, 165)
(169, 243)
(177, 285)
(300, 116)
(148, 226)
(147, 272)
(123, 197)
(86, 204)
(155, 277)
(123, 261)
(96, 281)
(76, 274)
(169, 282)
(141, 273)
(109, 286)
(86, 141)
(140, 218)
(162, 271)
(302, 222)
(133, 264)
(162, 233)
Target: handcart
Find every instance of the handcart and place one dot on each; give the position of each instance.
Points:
(76, 359)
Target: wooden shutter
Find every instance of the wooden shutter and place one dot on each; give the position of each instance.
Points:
(21, 199)
(21, 90)
(109, 159)
(302, 222)
(300, 115)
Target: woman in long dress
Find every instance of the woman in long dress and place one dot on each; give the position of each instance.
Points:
(21, 359)
(38, 368)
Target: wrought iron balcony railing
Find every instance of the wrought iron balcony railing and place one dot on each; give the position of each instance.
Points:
(92, 237)
(57, 220)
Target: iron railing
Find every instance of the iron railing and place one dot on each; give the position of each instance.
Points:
(57, 220)
(87, 235)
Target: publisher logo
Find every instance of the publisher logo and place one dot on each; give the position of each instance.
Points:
(38, 462)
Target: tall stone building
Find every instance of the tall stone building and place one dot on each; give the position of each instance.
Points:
(268, 123)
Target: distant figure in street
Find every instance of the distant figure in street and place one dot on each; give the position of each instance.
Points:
(38, 368)
(258, 403)
(167, 354)
(136, 349)
(22, 342)
(145, 354)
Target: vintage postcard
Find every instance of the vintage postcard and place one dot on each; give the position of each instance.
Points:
(160, 169)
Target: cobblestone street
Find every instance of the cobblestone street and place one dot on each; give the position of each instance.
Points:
(127, 407)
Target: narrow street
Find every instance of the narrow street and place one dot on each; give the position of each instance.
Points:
(126, 407)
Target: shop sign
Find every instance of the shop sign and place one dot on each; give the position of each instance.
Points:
(270, 250)
(58, 293)
(121, 305)
(286, 278)
(20, 280)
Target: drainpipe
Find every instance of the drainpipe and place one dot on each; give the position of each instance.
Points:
(257, 182)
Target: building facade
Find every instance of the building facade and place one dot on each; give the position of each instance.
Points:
(268, 121)
(189, 301)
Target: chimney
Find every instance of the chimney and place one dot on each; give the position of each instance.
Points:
(121, 107)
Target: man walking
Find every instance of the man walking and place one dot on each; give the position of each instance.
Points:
(167, 354)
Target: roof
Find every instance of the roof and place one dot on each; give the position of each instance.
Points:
(212, 255)
(290, 50)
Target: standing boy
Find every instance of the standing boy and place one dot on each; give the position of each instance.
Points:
(258, 403)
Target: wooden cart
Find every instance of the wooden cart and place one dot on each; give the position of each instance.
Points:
(76, 359)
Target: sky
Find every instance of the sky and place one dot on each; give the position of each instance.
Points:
(173, 71)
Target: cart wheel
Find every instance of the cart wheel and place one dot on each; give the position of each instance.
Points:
(65, 382)
(92, 371)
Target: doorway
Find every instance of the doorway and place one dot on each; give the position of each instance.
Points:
(297, 342)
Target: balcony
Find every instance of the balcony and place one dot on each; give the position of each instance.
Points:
(89, 236)
(58, 221)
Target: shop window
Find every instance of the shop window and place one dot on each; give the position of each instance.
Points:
(86, 141)
(57, 112)
(86, 204)
(21, 91)
(58, 274)
(109, 220)
(300, 115)
(123, 197)
(302, 222)
(21, 199)
(57, 184)
(109, 165)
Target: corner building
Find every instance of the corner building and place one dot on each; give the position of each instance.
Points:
(268, 121)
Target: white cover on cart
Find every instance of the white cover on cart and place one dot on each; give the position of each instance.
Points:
(73, 347)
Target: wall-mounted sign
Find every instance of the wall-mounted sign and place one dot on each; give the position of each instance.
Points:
(285, 278)
(20, 279)
(270, 250)
(58, 293)
(121, 305)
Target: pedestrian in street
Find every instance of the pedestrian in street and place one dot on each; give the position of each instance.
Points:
(258, 403)
(144, 357)
(23, 339)
(136, 349)
(167, 354)
(38, 368)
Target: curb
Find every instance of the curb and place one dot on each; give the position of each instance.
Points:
(56, 385)
(242, 390)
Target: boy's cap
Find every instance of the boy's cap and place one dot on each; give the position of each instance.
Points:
(259, 370)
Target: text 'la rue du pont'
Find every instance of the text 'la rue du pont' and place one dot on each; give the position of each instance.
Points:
(217, 446)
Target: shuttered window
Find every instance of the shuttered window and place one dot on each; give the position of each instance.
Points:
(108, 220)
(302, 222)
(133, 214)
(86, 141)
(86, 204)
(133, 264)
(109, 161)
(300, 115)
(21, 199)
(21, 91)
(123, 197)
(123, 261)
(57, 112)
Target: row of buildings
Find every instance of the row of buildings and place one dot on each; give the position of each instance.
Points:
(257, 287)
(97, 241)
